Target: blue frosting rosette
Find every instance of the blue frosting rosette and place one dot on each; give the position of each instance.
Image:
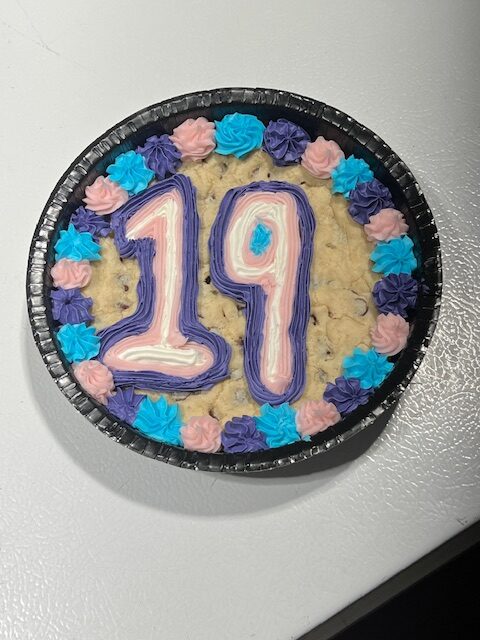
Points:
(237, 134)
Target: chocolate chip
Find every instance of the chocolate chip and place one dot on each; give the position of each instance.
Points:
(123, 306)
(125, 287)
(207, 280)
(314, 319)
(268, 174)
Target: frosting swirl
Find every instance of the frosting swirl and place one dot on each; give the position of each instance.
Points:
(390, 334)
(78, 342)
(314, 416)
(159, 420)
(70, 274)
(161, 155)
(202, 434)
(194, 138)
(95, 378)
(104, 197)
(130, 172)
(69, 306)
(285, 142)
(242, 436)
(395, 294)
(368, 367)
(346, 395)
(76, 245)
(321, 157)
(348, 173)
(124, 403)
(394, 256)
(238, 133)
(367, 199)
(386, 225)
(278, 425)
(86, 220)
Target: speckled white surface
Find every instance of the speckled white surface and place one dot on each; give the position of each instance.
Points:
(97, 542)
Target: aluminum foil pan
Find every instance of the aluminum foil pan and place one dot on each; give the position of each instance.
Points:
(318, 119)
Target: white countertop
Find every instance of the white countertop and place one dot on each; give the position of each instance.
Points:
(98, 542)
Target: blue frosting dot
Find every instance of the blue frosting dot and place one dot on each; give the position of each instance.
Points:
(76, 245)
(348, 173)
(278, 425)
(159, 420)
(237, 134)
(78, 342)
(394, 256)
(130, 172)
(368, 367)
(260, 240)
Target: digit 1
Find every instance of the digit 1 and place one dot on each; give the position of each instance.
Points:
(261, 248)
(163, 346)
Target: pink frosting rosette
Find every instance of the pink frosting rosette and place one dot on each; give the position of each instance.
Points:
(70, 274)
(314, 416)
(321, 157)
(386, 225)
(194, 138)
(95, 378)
(202, 434)
(390, 334)
(104, 196)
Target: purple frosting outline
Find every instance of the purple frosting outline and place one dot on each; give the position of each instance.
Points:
(254, 296)
(144, 250)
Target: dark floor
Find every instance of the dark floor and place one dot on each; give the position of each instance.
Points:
(445, 604)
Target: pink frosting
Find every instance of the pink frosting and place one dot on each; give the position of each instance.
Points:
(314, 416)
(104, 196)
(95, 378)
(194, 138)
(275, 271)
(202, 434)
(70, 273)
(385, 225)
(146, 223)
(321, 157)
(390, 334)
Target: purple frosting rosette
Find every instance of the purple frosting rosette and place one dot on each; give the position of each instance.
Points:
(367, 199)
(395, 294)
(285, 141)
